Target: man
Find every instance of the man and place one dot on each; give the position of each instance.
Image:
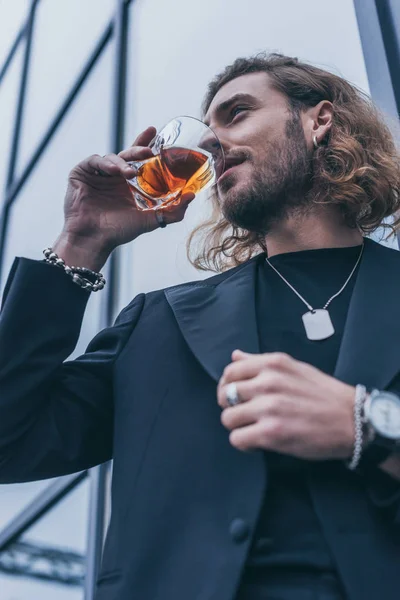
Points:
(292, 490)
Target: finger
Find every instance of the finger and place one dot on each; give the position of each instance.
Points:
(144, 138)
(109, 166)
(263, 383)
(180, 205)
(241, 370)
(265, 434)
(247, 438)
(122, 167)
(136, 153)
(174, 212)
(239, 355)
(245, 390)
(250, 365)
(245, 414)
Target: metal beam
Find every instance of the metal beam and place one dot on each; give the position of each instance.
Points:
(374, 47)
(118, 131)
(22, 94)
(389, 18)
(99, 474)
(45, 563)
(12, 52)
(38, 507)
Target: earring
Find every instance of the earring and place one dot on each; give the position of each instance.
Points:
(315, 141)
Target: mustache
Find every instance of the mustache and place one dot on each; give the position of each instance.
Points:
(238, 156)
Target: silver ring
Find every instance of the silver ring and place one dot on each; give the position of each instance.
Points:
(232, 396)
(160, 218)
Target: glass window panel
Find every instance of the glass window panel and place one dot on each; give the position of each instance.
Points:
(66, 524)
(13, 498)
(65, 35)
(64, 528)
(35, 221)
(12, 17)
(381, 236)
(9, 89)
(37, 216)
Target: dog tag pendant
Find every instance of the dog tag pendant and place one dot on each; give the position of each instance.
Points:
(318, 324)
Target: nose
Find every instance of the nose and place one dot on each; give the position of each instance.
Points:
(209, 142)
(212, 145)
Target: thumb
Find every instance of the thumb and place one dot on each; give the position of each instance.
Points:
(187, 198)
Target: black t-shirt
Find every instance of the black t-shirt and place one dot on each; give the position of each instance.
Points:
(288, 536)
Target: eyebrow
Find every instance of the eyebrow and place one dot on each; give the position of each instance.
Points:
(226, 104)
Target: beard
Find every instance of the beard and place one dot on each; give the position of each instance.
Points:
(280, 185)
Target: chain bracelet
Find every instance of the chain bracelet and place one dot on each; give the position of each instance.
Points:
(360, 397)
(79, 275)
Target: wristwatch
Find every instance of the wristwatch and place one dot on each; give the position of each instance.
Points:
(382, 414)
(381, 417)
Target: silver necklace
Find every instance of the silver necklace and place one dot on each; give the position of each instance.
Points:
(317, 321)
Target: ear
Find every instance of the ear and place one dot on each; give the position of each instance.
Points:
(322, 120)
(319, 122)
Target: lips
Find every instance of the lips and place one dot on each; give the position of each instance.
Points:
(230, 164)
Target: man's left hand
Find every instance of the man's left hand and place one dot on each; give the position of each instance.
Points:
(287, 406)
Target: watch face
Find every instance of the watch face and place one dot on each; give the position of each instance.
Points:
(385, 415)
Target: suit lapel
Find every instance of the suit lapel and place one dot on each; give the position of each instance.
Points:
(370, 349)
(215, 319)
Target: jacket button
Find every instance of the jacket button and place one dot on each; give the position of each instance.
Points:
(239, 530)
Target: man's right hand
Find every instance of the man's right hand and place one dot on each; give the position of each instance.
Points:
(100, 212)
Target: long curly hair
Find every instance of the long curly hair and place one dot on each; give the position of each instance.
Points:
(356, 168)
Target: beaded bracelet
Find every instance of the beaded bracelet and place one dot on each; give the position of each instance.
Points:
(359, 400)
(79, 275)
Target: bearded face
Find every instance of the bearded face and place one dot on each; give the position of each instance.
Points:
(268, 170)
(280, 181)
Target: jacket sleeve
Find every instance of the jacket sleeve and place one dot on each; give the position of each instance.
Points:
(56, 416)
(383, 489)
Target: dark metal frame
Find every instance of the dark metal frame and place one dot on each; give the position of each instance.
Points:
(44, 502)
(41, 562)
(12, 52)
(379, 26)
(116, 30)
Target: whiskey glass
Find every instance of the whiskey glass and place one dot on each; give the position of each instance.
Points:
(188, 157)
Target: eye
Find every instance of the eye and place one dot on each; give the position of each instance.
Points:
(237, 110)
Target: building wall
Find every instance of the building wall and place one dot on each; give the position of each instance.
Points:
(175, 48)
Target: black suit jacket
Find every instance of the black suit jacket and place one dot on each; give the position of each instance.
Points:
(184, 501)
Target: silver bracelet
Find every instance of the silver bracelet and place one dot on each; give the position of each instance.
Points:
(359, 400)
(79, 275)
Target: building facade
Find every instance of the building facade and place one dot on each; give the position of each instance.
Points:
(80, 78)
